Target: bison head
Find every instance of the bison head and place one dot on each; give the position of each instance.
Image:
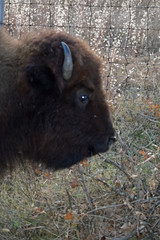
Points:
(64, 106)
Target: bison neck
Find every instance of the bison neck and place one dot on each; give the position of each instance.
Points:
(12, 121)
(15, 138)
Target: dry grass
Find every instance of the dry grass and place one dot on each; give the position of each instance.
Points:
(115, 195)
(112, 196)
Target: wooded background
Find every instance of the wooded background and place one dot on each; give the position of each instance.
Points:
(117, 30)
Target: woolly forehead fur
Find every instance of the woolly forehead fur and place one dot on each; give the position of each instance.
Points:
(46, 46)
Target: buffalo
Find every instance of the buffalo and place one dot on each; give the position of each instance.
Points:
(53, 108)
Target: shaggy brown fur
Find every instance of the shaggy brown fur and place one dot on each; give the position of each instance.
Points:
(43, 118)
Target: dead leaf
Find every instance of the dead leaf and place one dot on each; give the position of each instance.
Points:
(47, 175)
(74, 183)
(118, 183)
(85, 163)
(69, 216)
(38, 172)
(36, 209)
(142, 152)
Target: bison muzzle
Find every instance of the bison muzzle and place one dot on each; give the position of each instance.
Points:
(53, 109)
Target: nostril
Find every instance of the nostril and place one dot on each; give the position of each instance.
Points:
(112, 138)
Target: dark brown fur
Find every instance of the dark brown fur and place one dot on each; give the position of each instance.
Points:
(41, 116)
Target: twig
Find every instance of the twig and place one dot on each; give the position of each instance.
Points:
(124, 144)
(105, 183)
(120, 205)
(86, 191)
(149, 118)
(150, 232)
(116, 165)
(148, 159)
(156, 223)
(108, 185)
(144, 200)
(136, 179)
(33, 228)
(69, 199)
(131, 234)
(105, 207)
(50, 209)
(152, 210)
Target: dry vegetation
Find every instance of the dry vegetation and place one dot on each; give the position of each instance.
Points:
(114, 196)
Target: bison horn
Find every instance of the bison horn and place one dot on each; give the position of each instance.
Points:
(68, 63)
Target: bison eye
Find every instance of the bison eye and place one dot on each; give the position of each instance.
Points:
(84, 98)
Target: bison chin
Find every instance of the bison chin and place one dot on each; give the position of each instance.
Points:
(66, 159)
(100, 147)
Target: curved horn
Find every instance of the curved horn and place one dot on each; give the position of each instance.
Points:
(68, 63)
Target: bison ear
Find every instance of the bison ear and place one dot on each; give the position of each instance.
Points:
(40, 78)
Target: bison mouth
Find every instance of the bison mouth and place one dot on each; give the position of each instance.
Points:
(93, 149)
(101, 147)
(67, 159)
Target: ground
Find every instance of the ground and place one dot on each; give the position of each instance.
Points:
(115, 195)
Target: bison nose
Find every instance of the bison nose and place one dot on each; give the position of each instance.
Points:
(99, 146)
(111, 140)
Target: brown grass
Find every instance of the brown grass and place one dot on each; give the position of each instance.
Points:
(112, 196)
(115, 195)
